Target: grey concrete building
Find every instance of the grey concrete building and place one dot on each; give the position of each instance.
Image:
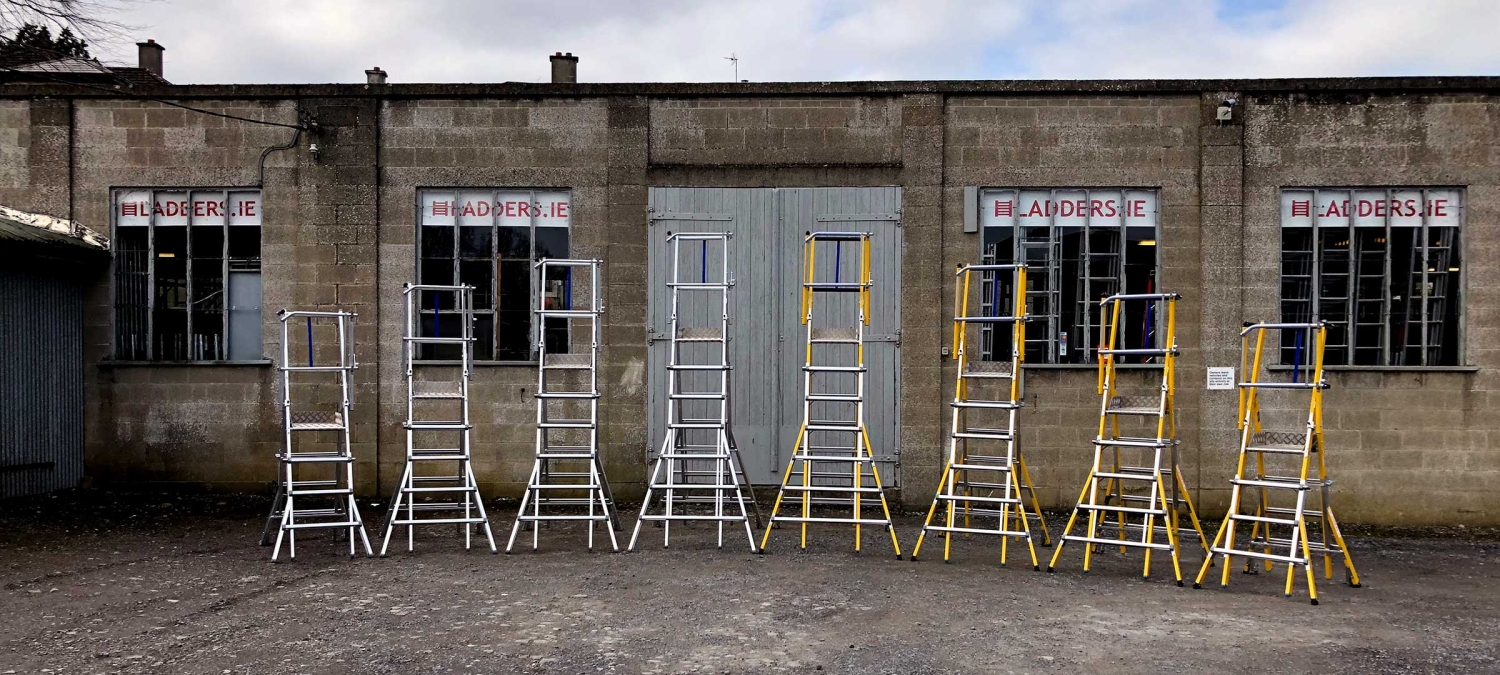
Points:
(1372, 202)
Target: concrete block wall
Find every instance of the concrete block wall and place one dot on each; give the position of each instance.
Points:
(1408, 447)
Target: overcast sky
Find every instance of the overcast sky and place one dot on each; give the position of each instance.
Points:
(251, 41)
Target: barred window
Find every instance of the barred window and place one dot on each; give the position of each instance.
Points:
(489, 239)
(1079, 245)
(1381, 266)
(187, 274)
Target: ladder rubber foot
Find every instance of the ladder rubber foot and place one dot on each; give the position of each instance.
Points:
(1315, 602)
(914, 558)
(1197, 585)
(1145, 578)
(760, 551)
(1355, 585)
(947, 561)
(1036, 568)
(1050, 569)
(1179, 583)
(1288, 595)
(898, 556)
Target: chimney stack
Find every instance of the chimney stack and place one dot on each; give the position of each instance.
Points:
(150, 56)
(375, 76)
(564, 68)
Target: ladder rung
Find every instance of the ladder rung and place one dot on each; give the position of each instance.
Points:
(990, 434)
(341, 491)
(834, 427)
(836, 286)
(975, 530)
(1278, 385)
(436, 521)
(309, 526)
(1262, 519)
(566, 424)
(1000, 405)
(1279, 449)
(978, 498)
(1122, 509)
(567, 394)
(563, 486)
(695, 425)
(437, 340)
(832, 458)
(566, 366)
(1306, 513)
(435, 479)
(566, 313)
(696, 286)
(987, 374)
(696, 397)
(981, 467)
(546, 454)
(833, 397)
(313, 513)
(681, 366)
(436, 395)
(299, 458)
(834, 369)
(1260, 556)
(695, 455)
(438, 426)
(1133, 442)
(1139, 352)
(1270, 484)
(600, 516)
(1145, 469)
(690, 516)
(1125, 476)
(985, 486)
(843, 521)
(830, 488)
(316, 369)
(438, 457)
(693, 486)
(1118, 542)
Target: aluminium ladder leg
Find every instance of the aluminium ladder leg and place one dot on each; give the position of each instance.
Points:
(983, 471)
(1290, 542)
(698, 431)
(289, 513)
(567, 384)
(1113, 491)
(825, 363)
(465, 507)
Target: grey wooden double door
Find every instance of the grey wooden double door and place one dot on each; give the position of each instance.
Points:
(766, 334)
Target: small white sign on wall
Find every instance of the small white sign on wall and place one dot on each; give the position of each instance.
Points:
(1220, 378)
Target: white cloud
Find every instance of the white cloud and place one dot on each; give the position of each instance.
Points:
(683, 40)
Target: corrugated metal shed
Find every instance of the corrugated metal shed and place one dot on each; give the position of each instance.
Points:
(44, 263)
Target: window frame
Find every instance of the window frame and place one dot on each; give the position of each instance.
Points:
(1052, 359)
(494, 259)
(1456, 295)
(116, 193)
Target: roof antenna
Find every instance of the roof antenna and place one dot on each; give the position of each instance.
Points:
(736, 61)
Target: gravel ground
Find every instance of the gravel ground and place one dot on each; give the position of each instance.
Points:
(106, 582)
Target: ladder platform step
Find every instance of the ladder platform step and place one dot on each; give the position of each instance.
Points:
(1219, 550)
(316, 513)
(977, 530)
(567, 394)
(447, 396)
(1132, 410)
(310, 457)
(1122, 509)
(1313, 545)
(1261, 519)
(435, 479)
(834, 369)
(997, 405)
(978, 498)
(1279, 449)
(317, 426)
(1118, 542)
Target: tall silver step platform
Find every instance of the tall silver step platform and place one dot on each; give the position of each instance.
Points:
(697, 463)
(439, 463)
(327, 500)
(566, 472)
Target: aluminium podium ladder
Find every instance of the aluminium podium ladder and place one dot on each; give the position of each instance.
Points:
(984, 471)
(698, 461)
(1296, 548)
(1113, 487)
(287, 509)
(452, 419)
(563, 438)
(849, 452)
